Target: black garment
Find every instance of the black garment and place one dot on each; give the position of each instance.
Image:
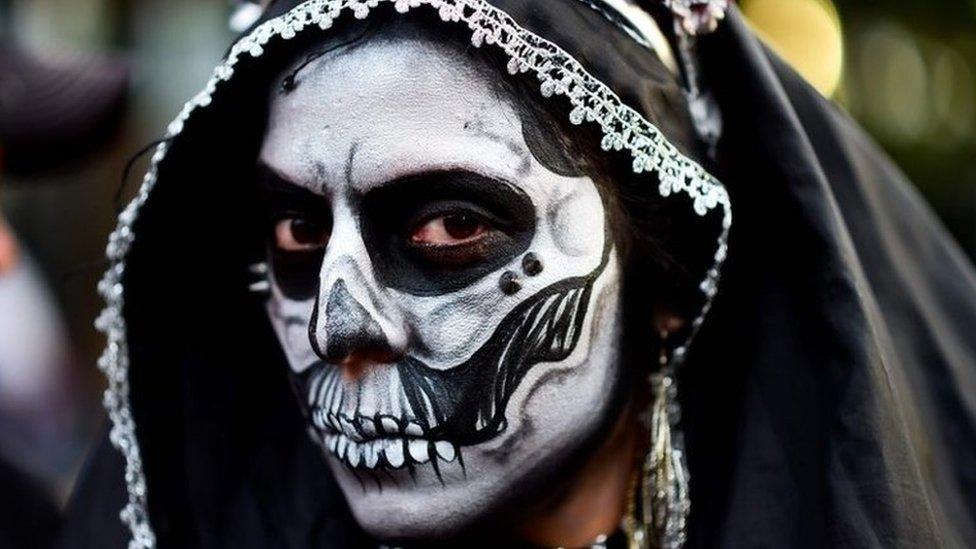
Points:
(829, 399)
(827, 402)
(28, 516)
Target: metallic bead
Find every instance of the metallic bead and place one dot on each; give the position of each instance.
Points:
(531, 264)
(509, 283)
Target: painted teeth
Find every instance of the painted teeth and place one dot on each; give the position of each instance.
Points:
(389, 425)
(363, 428)
(372, 455)
(368, 442)
(414, 429)
(353, 454)
(418, 450)
(445, 450)
(393, 450)
(367, 427)
(346, 425)
(388, 452)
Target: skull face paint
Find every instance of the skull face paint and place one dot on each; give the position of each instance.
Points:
(448, 304)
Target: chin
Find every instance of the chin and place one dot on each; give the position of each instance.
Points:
(408, 516)
(423, 502)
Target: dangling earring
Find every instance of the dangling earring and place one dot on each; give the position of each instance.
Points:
(660, 503)
(262, 285)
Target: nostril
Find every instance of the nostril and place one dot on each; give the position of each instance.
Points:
(352, 335)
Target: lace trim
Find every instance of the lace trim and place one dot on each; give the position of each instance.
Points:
(558, 73)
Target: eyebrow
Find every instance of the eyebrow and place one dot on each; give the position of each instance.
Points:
(271, 181)
(496, 194)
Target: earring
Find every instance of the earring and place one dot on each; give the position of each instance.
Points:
(262, 285)
(660, 503)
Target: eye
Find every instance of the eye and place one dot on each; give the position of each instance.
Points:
(437, 232)
(301, 234)
(456, 241)
(451, 230)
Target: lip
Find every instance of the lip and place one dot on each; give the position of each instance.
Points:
(363, 428)
(381, 441)
(388, 452)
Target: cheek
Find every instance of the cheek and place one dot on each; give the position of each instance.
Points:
(297, 275)
(566, 402)
(290, 320)
(570, 242)
(451, 328)
(575, 230)
(559, 405)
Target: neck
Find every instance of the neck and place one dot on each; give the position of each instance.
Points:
(595, 501)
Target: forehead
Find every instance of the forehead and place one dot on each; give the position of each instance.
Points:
(389, 108)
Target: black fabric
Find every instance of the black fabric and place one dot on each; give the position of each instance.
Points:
(28, 516)
(93, 520)
(827, 402)
(829, 399)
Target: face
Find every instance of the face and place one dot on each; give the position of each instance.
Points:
(448, 303)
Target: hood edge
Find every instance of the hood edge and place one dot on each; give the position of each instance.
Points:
(559, 74)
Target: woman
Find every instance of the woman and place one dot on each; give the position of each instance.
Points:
(460, 287)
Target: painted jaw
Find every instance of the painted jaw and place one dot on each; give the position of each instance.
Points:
(437, 393)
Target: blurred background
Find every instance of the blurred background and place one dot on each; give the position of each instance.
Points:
(906, 69)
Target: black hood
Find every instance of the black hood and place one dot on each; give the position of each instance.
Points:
(827, 400)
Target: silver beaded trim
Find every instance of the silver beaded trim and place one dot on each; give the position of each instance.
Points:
(558, 73)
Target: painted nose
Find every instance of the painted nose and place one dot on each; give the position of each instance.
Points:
(353, 337)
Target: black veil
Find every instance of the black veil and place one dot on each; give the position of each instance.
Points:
(829, 399)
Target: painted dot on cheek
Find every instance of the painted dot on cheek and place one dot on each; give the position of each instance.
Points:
(531, 264)
(509, 283)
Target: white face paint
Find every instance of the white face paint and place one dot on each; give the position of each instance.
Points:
(449, 306)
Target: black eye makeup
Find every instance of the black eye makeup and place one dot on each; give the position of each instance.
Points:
(434, 233)
(426, 234)
(299, 225)
(453, 235)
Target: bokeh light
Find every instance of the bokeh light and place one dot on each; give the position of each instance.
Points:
(807, 33)
(953, 93)
(890, 62)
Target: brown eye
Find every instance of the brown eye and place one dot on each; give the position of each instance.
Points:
(301, 234)
(450, 230)
(455, 241)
